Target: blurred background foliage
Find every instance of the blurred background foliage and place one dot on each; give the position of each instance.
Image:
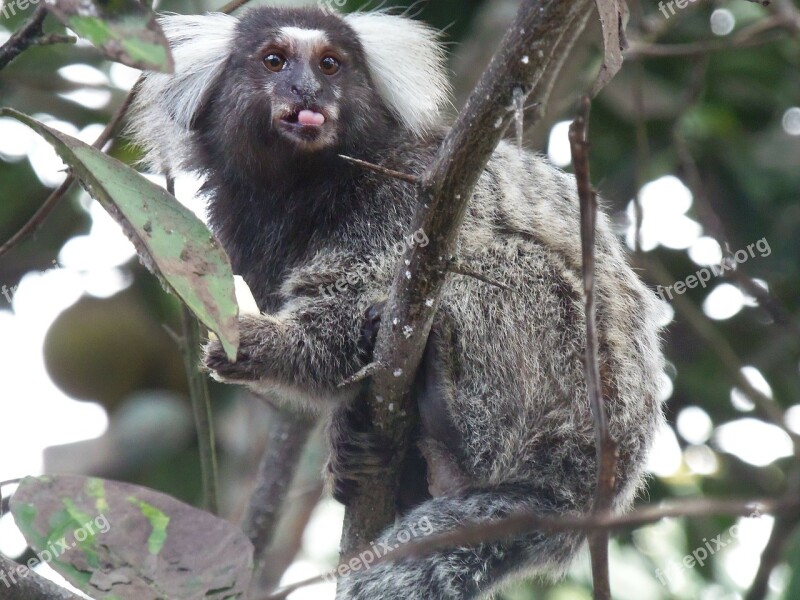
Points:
(702, 125)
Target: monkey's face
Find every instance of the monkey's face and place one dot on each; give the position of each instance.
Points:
(308, 76)
(302, 75)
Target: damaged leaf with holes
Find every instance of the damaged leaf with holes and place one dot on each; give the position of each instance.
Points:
(121, 541)
(170, 240)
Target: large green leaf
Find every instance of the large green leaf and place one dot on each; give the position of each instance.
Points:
(172, 242)
(121, 541)
(125, 30)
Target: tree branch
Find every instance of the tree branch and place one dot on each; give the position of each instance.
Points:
(603, 521)
(24, 37)
(30, 586)
(289, 431)
(522, 62)
(782, 530)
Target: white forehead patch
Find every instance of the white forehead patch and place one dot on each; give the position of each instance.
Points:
(305, 36)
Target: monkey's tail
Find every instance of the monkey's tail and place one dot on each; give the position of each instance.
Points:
(465, 572)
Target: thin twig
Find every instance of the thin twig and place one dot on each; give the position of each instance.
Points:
(382, 170)
(23, 38)
(782, 530)
(525, 522)
(762, 32)
(604, 444)
(362, 374)
(557, 61)
(528, 522)
(55, 197)
(713, 225)
(201, 401)
(54, 38)
(232, 6)
(461, 269)
(777, 310)
(719, 345)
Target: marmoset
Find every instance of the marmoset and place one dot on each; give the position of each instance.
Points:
(262, 106)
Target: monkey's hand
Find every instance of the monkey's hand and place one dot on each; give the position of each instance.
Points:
(255, 333)
(358, 451)
(310, 347)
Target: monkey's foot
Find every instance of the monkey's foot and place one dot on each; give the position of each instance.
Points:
(369, 330)
(358, 452)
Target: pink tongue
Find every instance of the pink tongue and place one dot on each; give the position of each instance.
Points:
(309, 117)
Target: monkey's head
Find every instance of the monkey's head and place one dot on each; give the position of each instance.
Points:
(306, 80)
(303, 71)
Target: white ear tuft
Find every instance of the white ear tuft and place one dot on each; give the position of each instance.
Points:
(165, 105)
(407, 64)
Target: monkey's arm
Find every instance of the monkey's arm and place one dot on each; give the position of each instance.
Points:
(304, 348)
(310, 346)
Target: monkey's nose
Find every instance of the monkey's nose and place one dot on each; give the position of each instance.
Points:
(307, 93)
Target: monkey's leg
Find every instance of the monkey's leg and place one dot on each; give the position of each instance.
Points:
(465, 572)
(357, 449)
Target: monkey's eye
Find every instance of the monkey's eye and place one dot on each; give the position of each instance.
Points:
(330, 65)
(275, 62)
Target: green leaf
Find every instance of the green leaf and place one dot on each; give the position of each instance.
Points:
(125, 30)
(171, 241)
(116, 540)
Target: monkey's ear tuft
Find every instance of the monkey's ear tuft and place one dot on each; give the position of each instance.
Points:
(167, 104)
(407, 62)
